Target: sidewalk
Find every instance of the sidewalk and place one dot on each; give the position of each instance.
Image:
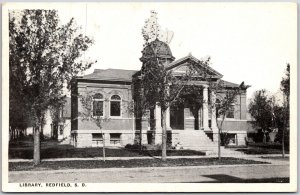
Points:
(212, 173)
(256, 157)
(228, 173)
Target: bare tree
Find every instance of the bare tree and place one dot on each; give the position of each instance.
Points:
(90, 113)
(223, 106)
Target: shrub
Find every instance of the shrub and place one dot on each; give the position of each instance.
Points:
(134, 147)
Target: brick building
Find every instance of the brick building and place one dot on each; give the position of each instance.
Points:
(112, 92)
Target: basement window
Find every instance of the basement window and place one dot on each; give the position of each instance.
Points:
(97, 139)
(115, 138)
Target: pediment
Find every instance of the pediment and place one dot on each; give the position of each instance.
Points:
(180, 66)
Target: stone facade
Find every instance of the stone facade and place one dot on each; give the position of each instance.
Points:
(184, 127)
(121, 127)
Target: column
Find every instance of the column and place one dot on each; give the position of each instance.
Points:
(158, 128)
(205, 108)
(148, 119)
(200, 119)
(157, 117)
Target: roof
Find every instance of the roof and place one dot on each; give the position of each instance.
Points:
(159, 48)
(228, 84)
(111, 75)
(191, 58)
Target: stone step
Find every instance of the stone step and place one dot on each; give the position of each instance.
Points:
(196, 140)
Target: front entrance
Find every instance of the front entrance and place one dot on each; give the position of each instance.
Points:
(177, 118)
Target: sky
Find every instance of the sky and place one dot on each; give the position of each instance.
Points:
(250, 42)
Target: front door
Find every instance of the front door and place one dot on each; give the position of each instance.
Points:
(177, 118)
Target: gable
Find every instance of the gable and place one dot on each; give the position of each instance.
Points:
(180, 66)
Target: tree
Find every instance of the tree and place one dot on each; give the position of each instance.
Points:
(260, 109)
(48, 54)
(162, 88)
(285, 88)
(58, 122)
(87, 114)
(159, 86)
(139, 108)
(18, 104)
(285, 82)
(224, 104)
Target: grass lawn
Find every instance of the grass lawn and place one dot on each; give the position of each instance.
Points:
(286, 158)
(53, 150)
(263, 148)
(94, 164)
(260, 150)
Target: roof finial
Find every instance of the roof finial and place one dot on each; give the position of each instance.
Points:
(190, 54)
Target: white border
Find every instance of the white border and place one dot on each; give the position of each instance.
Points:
(138, 187)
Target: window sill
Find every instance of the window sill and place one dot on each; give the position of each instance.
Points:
(115, 117)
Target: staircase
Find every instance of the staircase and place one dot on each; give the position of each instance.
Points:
(198, 140)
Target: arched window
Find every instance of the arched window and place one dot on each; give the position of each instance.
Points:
(230, 111)
(98, 104)
(115, 105)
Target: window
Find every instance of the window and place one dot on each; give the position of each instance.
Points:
(115, 105)
(230, 112)
(97, 139)
(98, 104)
(230, 139)
(115, 138)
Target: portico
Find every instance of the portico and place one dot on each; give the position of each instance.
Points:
(181, 117)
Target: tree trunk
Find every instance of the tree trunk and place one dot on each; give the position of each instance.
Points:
(103, 148)
(219, 144)
(42, 132)
(51, 133)
(282, 141)
(285, 121)
(12, 134)
(141, 139)
(196, 114)
(265, 138)
(164, 137)
(17, 137)
(219, 135)
(37, 147)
